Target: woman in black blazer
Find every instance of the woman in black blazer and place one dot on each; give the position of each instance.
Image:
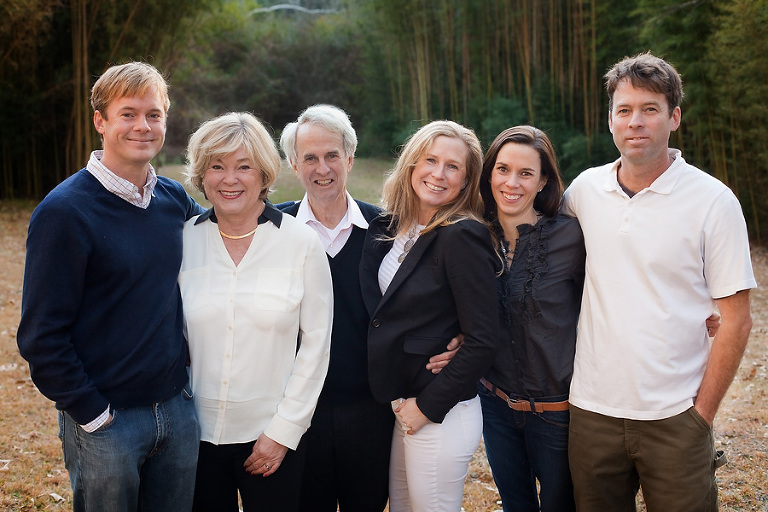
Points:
(427, 274)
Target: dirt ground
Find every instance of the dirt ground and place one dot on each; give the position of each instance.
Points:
(33, 477)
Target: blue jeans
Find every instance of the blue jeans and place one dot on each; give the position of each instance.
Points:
(144, 460)
(523, 447)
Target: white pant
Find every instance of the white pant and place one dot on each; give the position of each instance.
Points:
(427, 469)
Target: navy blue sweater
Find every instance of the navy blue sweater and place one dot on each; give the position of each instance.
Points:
(101, 317)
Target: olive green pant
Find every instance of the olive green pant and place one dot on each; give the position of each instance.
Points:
(673, 460)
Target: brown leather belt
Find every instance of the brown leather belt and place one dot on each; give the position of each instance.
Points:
(525, 405)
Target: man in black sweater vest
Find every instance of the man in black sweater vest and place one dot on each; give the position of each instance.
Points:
(348, 444)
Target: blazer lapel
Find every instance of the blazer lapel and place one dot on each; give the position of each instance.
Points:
(410, 262)
(373, 252)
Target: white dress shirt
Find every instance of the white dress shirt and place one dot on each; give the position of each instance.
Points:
(333, 239)
(242, 323)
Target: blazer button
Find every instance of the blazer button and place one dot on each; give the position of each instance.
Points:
(375, 322)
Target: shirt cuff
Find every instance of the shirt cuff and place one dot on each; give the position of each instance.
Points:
(97, 423)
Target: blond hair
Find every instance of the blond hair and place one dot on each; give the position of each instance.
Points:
(224, 135)
(131, 79)
(399, 198)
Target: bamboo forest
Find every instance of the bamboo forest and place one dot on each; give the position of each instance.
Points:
(393, 65)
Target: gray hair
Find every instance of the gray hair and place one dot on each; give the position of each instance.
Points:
(329, 117)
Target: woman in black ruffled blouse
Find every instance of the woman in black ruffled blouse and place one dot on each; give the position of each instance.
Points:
(525, 395)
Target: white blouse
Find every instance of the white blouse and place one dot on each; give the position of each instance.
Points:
(401, 246)
(248, 373)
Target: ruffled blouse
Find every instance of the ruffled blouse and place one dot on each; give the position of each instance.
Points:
(540, 298)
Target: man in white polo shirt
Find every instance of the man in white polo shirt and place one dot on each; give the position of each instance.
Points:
(664, 242)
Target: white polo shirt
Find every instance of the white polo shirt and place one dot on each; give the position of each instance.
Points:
(655, 263)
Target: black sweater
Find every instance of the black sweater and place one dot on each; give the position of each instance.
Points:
(347, 380)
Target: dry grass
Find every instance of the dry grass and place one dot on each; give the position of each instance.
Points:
(32, 474)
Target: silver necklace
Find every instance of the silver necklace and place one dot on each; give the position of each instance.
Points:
(408, 244)
(508, 255)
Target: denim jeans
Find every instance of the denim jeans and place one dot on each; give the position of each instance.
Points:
(143, 460)
(523, 447)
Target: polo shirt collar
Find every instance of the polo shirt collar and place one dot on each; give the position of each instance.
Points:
(664, 184)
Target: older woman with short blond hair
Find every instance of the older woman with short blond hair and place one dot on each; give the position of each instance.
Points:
(258, 307)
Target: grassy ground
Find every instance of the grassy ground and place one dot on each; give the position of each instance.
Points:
(32, 473)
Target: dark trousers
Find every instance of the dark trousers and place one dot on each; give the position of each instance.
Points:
(220, 476)
(673, 460)
(347, 461)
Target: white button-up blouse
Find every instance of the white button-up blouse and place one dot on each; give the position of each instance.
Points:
(249, 372)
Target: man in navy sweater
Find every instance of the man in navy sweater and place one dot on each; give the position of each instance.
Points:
(348, 443)
(101, 320)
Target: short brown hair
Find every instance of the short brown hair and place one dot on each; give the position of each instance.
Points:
(131, 79)
(646, 71)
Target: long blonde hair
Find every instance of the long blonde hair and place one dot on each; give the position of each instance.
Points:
(399, 198)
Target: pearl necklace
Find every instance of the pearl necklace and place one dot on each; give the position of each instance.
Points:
(238, 237)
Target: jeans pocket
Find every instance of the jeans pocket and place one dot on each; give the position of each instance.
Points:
(557, 418)
(107, 425)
